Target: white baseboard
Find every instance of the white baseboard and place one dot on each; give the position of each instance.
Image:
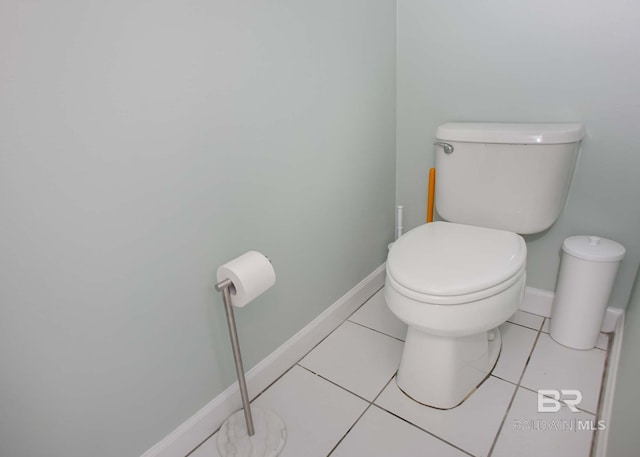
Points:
(611, 376)
(201, 425)
(539, 301)
(612, 319)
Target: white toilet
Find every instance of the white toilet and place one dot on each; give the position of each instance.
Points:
(453, 283)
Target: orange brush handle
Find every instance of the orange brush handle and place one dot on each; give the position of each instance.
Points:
(432, 192)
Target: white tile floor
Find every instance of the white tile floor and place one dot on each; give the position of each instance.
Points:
(341, 399)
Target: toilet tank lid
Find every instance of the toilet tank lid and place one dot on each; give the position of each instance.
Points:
(511, 133)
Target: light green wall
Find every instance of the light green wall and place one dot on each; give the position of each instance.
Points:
(624, 440)
(548, 60)
(143, 144)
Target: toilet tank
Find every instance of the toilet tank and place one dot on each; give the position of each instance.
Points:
(507, 176)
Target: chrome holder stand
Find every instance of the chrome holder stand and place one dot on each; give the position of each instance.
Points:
(223, 286)
(269, 436)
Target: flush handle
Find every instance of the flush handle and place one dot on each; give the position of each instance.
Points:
(448, 149)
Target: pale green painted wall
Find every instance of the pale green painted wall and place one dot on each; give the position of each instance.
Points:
(126, 124)
(143, 144)
(624, 440)
(548, 60)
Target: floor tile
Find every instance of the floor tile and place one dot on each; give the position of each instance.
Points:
(553, 366)
(528, 433)
(316, 413)
(517, 343)
(375, 314)
(357, 358)
(545, 326)
(525, 319)
(380, 434)
(472, 426)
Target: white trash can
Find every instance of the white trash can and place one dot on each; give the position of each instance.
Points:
(587, 272)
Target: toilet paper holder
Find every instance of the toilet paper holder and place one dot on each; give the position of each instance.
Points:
(240, 281)
(224, 286)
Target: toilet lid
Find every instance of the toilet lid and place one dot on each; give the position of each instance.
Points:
(445, 259)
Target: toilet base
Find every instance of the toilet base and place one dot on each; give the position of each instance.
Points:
(440, 371)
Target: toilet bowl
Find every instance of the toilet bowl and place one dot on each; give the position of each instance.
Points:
(452, 284)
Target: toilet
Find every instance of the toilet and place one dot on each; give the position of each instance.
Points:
(453, 282)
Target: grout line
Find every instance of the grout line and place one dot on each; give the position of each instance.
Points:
(385, 386)
(375, 330)
(535, 343)
(504, 419)
(373, 404)
(423, 429)
(532, 314)
(408, 422)
(524, 326)
(361, 415)
(515, 392)
(349, 430)
(332, 382)
(199, 445)
(276, 380)
(503, 379)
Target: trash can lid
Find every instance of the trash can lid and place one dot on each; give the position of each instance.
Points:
(593, 248)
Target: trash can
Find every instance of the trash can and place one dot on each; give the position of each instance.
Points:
(587, 272)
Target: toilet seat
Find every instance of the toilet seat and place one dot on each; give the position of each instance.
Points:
(456, 299)
(446, 263)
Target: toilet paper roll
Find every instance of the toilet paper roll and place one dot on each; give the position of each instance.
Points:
(251, 275)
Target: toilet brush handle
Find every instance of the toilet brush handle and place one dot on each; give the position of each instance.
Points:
(224, 286)
(431, 194)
